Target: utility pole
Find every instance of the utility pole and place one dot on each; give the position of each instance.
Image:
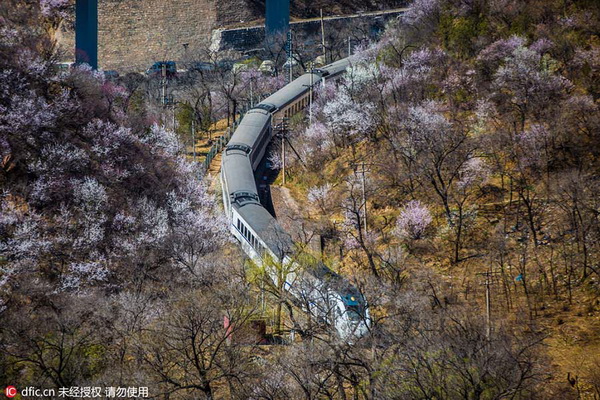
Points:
(310, 96)
(282, 132)
(364, 193)
(290, 54)
(251, 94)
(310, 92)
(349, 47)
(164, 83)
(363, 172)
(323, 38)
(488, 275)
(194, 139)
(283, 155)
(488, 308)
(174, 122)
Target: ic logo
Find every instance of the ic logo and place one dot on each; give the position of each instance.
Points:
(10, 391)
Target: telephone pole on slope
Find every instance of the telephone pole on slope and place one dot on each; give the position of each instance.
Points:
(488, 276)
(194, 139)
(364, 193)
(363, 172)
(310, 93)
(323, 38)
(290, 55)
(282, 128)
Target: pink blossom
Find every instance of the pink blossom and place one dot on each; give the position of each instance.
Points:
(413, 220)
(421, 11)
(427, 126)
(527, 82)
(500, 49)
(346, 116)
(542, 45)
(532, 143)
(589, 58)
(5, 149)
(319, 194)
(54, 8)
(473, 172)
(161, 139)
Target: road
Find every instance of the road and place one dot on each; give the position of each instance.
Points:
(358, 15)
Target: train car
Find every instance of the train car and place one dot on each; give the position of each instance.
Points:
(319, 291)
(253, 134)
(294, 97)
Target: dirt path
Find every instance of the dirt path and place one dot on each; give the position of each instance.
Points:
(288, 210)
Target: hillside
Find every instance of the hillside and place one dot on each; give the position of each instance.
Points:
(448, 179)
(471, 129)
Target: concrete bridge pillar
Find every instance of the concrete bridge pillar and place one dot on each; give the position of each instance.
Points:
(86, 32)
(277, 19)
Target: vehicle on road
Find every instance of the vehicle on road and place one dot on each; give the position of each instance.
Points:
(167, 69)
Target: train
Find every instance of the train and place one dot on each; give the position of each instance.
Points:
(318, 290)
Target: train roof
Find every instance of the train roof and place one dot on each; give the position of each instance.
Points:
(266, 227)
(300, 85)
(337, 67)
(238, 172)
(290, 92)
(251, 127)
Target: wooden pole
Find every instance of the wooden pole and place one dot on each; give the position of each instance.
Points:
(364, 193)
(194, 139)
(323, 37)
(283, 152)
(349, 47)
(310, 99)
(488, 307)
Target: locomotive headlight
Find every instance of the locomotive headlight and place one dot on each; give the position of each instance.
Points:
(352, 298)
